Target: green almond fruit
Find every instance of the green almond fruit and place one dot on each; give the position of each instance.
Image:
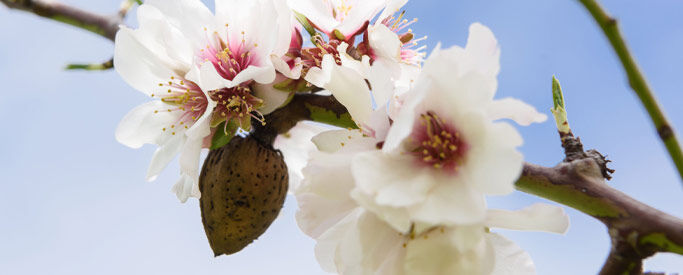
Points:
(243, 186)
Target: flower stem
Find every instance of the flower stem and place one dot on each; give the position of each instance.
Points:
(637, 81)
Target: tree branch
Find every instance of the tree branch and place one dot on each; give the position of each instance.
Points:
(637, 82)
(323, 109)
(637, 230)
(106, 26)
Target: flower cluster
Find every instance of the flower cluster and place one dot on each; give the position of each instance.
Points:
(208, 73)
(405, 192)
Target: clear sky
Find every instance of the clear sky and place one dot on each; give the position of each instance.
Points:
(76, 202)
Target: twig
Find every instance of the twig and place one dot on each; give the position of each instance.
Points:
(92, 67)
(579, 182)
(103, 25)
(638, 229)
(324, 109)
(637, 82)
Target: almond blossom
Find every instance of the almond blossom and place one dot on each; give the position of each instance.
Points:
(157, 59)
(204, 69)
(446, 149)
(339, 19)
(351, 239)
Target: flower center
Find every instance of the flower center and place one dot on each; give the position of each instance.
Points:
(237, 103)
(313, 57)
(229, 57)
(341, 11)
(410, 52)
(186, 98)
(437, 143)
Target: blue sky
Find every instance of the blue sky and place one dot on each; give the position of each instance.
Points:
(76, 201)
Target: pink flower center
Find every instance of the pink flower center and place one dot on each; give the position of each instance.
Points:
(237, 103)
(186, 98)
(341, 11)
(229, 56)
(410, 52)
(438, 143)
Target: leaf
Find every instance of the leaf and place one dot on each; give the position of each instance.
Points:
(323, 115)
(305, 23)
(558, 97)
(223, 134)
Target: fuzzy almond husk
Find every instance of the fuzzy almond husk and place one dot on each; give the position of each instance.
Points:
(243, 186)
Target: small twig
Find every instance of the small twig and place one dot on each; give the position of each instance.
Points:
(637, 82)
(637, 230)
(106, 26)
(92, 67)
(324, 109)
(579, 184)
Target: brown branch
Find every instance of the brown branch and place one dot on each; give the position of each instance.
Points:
(300, 108)
(637, 81)
(104, 25)
(636, 229)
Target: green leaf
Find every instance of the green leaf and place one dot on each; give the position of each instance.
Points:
(558, 97)
(305, 23)
(558, 110)
(223, 134)
(323, 115)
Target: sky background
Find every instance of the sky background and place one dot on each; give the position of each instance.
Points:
(76, 202)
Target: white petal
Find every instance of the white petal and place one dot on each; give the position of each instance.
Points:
(510, 259)
(394, 179)
(262, 74)
(272, 98)
(537, 217)
(209, 79)
(163, 39)
(516, 110)
(393, 6)
(347, 86)
(137, 65)
(369, 246)
(327, 243)
(495, 152)
(437, 254)
(188, 16)
(384, 42)
(143, 126)
(333, 140)
(282, 67)
(185, 188)
(164, 155)
(451, 202)
(360, 12)
(317, 12)
(318, 214)
(296, 146)
(404, 121)
(483, 47)
(189, 157)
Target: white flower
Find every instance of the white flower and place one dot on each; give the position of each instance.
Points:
(296, 146)
(162, 58)
(352, 240)
(156, 59)
(237, 54)
(444, 151)
(346, 16)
